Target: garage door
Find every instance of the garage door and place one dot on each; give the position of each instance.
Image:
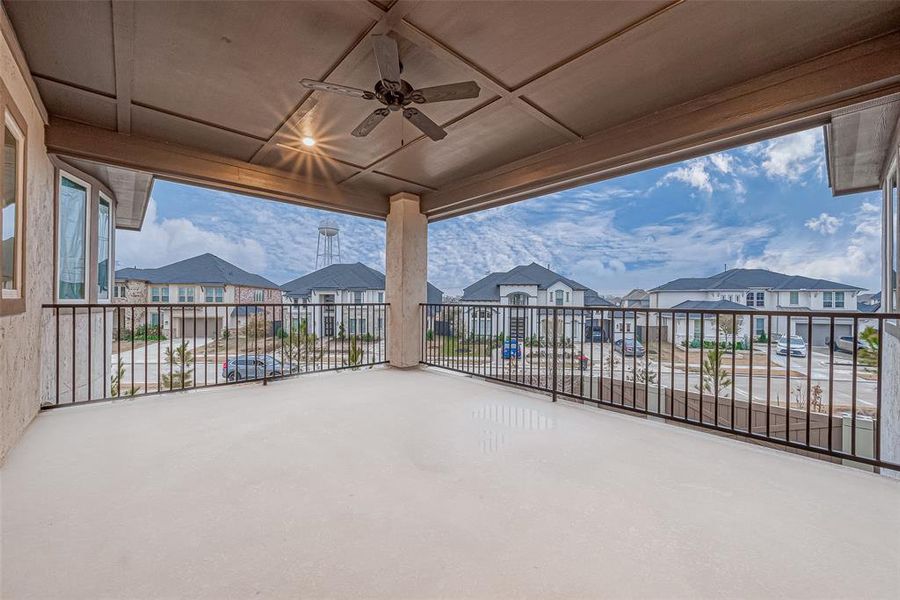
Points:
(822, 332)
(199, 328)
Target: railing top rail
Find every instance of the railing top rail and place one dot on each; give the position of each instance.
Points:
(203, 304)
(749, 311)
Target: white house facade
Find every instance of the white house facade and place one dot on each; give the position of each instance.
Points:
(531, 286)
(337, 300)
(751, 290)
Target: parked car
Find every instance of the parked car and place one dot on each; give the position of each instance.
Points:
(628, 347)
(251, 366)
(511, 349)
(798, 346)
(845, 344)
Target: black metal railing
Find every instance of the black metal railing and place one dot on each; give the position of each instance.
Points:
(109, 351)
(818, 389)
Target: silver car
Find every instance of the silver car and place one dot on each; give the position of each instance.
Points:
(798, 346)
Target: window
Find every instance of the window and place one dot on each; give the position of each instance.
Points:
(357, 297)
(827, 301)
(186, 294)
(160, 294)
(760, 298)
(73, 236)
(751, 299)
(518, 299)
(760, 326)
(357, 326)
(795, 298)
(154, 319)
(567, 296)
(215, 294)
(11, 211)
(380, 297)
(559, 297)
(119, 291)
(839, 299)
(259, 295)
(104, 233)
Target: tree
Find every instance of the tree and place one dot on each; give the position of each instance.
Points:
(255, 327)
(342, 333)
(179, 361)
(116, 381)
(714, 377)
(354, 354)
(869, 354)
(300, 346)
(642, 375)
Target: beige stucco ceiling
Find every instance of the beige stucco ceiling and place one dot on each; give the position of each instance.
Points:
(223, 79)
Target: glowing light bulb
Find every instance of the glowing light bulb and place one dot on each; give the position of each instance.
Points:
(308, 141)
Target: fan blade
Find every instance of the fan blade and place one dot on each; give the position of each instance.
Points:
(442, 93)
(424, 124)
(370, 122)
(324, 86)
(388, 58)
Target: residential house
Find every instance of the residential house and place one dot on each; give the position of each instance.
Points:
(636, 298)
(332, 296)
(537, 286)
(749, 290)
(205, 279)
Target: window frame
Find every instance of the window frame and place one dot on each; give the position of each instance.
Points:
(217, 293)
(193, 294)
(794, 298)
(88, 189)
(827, 300)
(17, 294)
(259, 295)
(110, 271)
(843, 299)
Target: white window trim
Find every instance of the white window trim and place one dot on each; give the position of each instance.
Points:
(110, 268)
(18, 271)
(87, 237)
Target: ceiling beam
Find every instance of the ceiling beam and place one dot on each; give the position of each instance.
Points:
(796, 97)
(189, 165)
(123, 52)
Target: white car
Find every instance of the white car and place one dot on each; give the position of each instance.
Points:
(798, 346)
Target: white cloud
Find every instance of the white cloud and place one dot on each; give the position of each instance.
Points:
(276, 240)
(857, 261)
(693, 174)
(790, 157)
(584, 243)
(163, 241)
(825, 223)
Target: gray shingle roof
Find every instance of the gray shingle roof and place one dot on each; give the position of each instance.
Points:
(742, 279)
(354, 277)
(204, 269)
(711, 305)
(488, 288)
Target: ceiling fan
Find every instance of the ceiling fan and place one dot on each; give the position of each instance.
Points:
(396, 94)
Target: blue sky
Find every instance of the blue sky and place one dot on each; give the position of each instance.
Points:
(764, 205)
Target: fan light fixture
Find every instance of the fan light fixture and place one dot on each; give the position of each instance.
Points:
(395, 94)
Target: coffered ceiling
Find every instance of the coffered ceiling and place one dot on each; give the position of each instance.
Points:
(570, 91)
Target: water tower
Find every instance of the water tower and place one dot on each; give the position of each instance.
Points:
(329, 237)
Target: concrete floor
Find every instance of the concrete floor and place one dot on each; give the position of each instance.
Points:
(417, 484)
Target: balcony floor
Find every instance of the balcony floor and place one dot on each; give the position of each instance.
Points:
(402, 484)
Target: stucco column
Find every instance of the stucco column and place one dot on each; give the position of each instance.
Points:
(406, 259)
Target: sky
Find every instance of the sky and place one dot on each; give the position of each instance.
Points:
(766, 205)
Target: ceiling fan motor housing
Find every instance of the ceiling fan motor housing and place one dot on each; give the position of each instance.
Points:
(394, 100)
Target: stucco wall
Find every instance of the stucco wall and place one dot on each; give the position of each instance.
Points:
(890, 398)
(23, 337)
